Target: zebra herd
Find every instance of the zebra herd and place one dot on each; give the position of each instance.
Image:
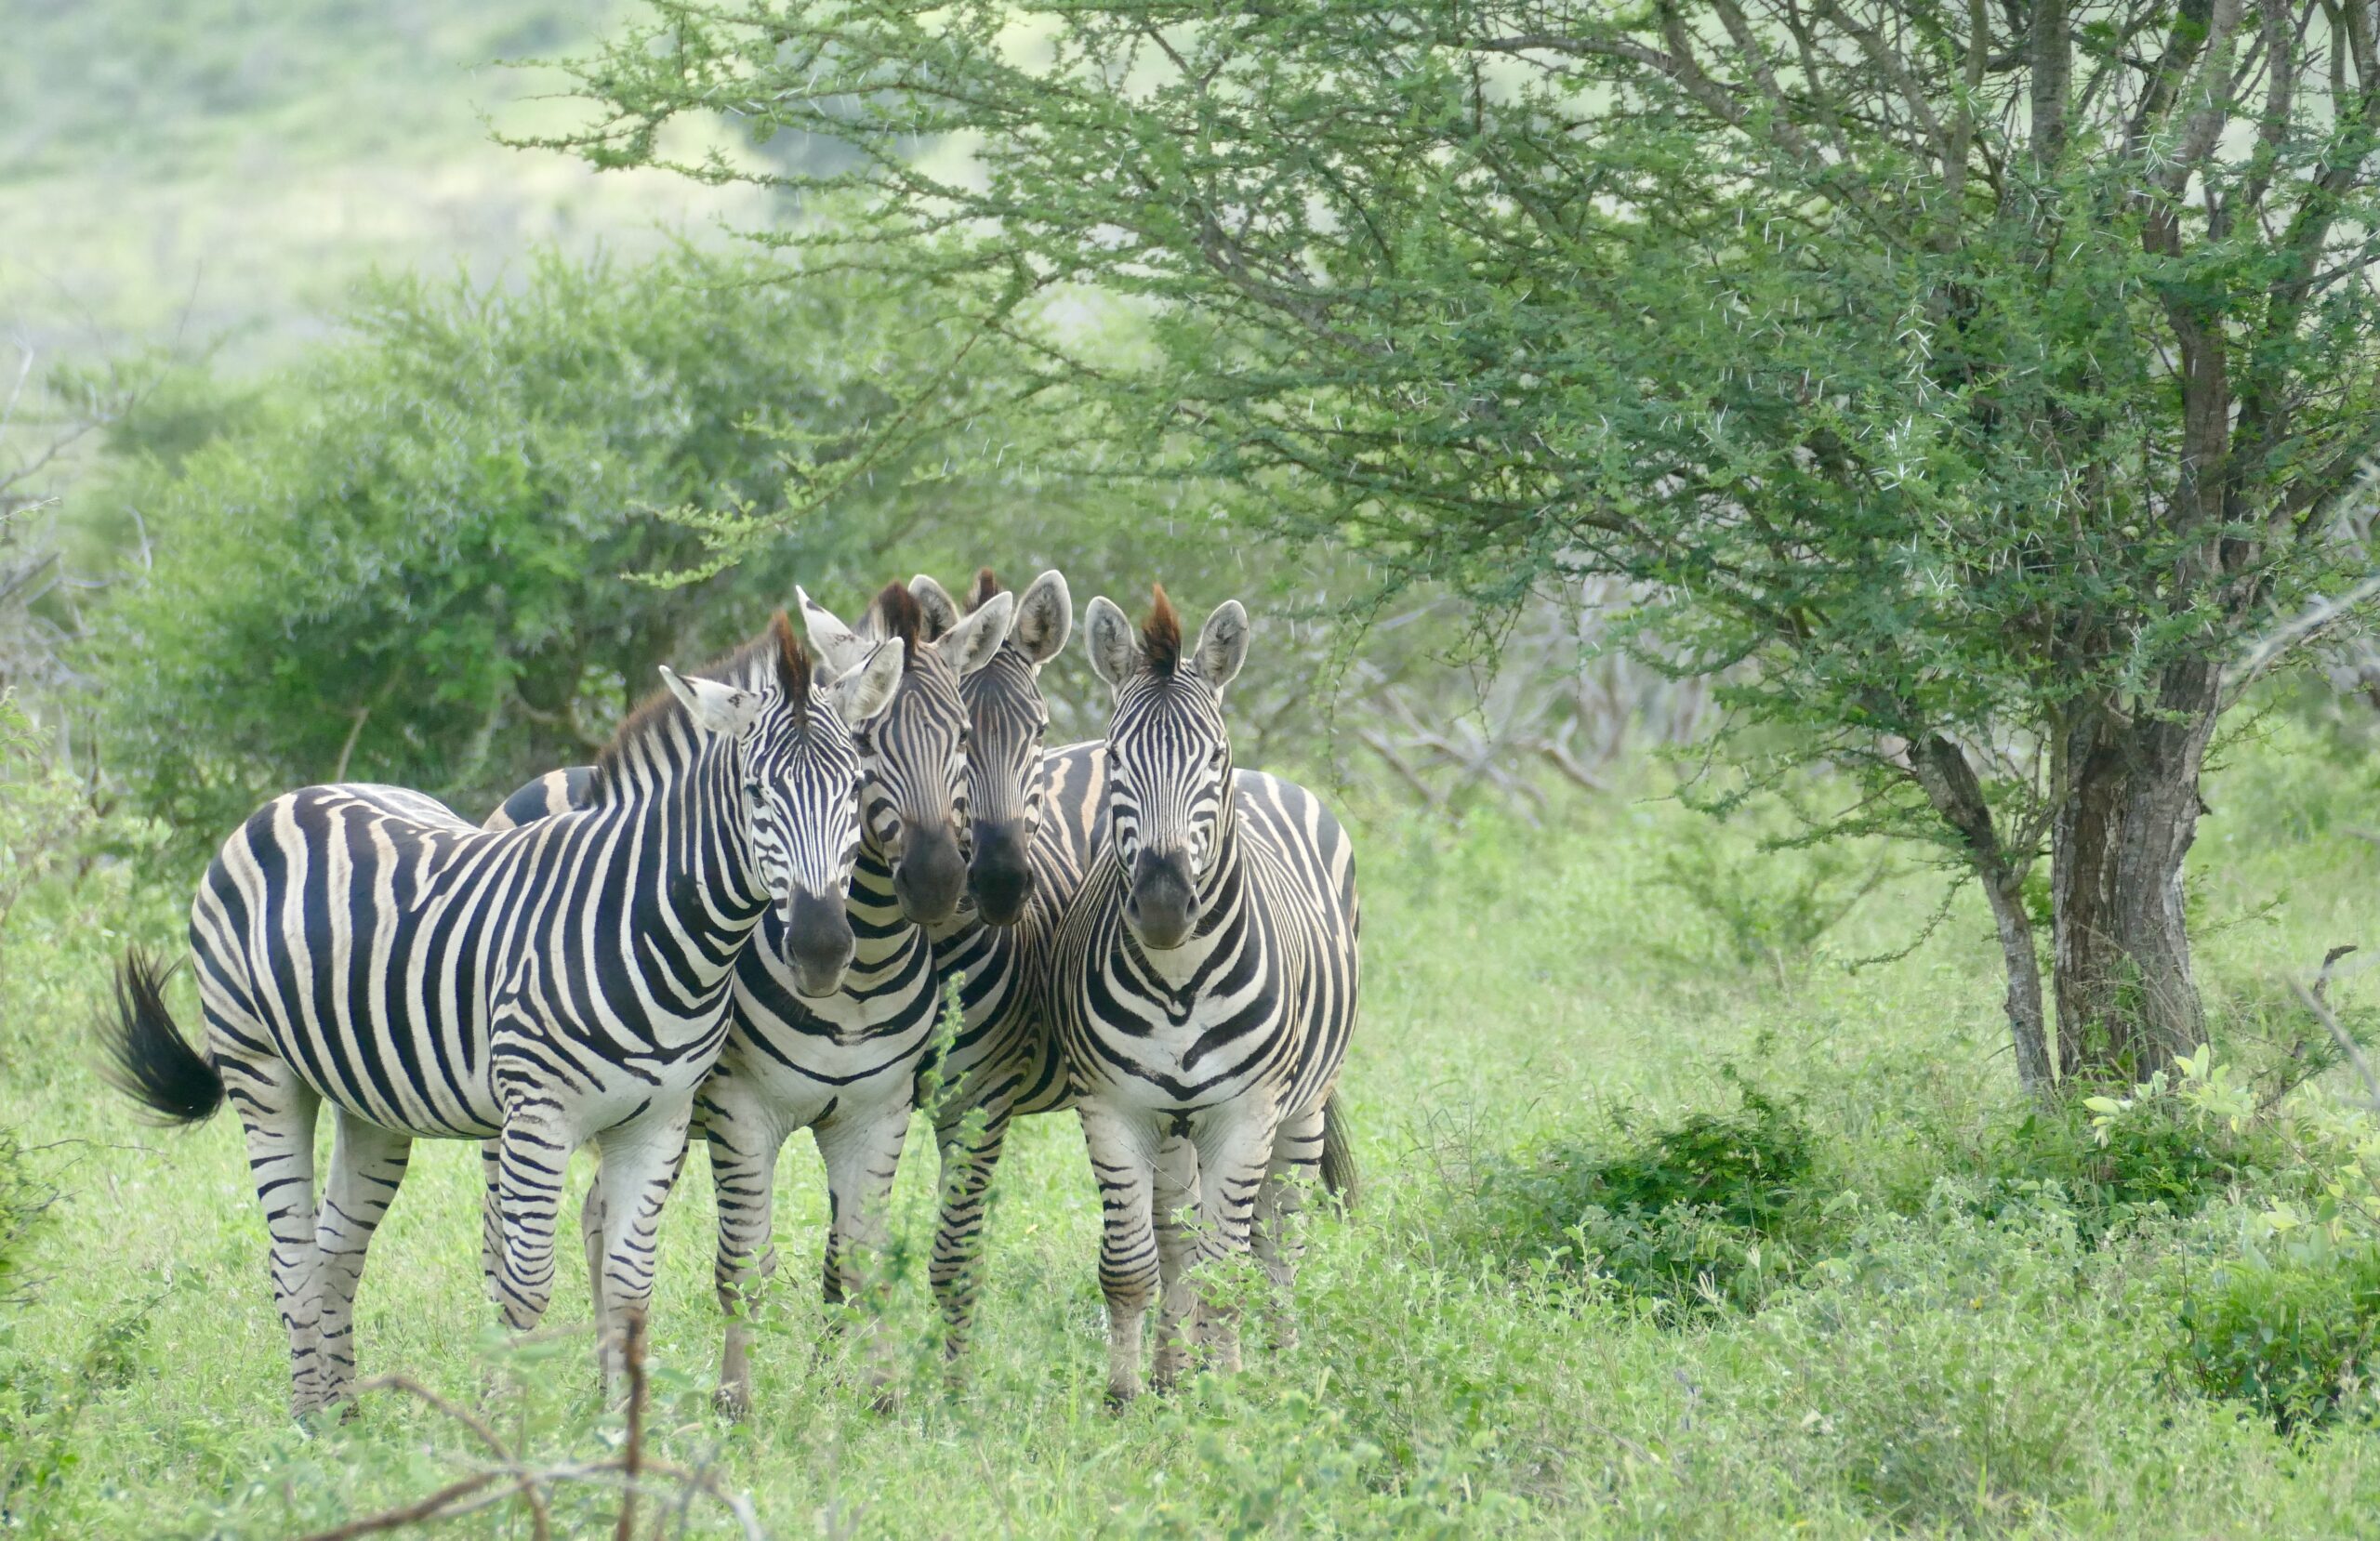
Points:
(741, 921)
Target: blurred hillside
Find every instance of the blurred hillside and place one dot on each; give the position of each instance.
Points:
(225, 169)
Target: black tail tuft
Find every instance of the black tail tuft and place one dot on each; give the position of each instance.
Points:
(1340, 1179)
(147, 1057)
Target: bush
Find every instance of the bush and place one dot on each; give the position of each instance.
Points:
(2291, 1337)
(1713, 1210)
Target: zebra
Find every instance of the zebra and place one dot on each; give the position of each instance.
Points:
(1037, 812)
(1203, 982)
(1003, 1061)
(559, 983)
(845, 1065)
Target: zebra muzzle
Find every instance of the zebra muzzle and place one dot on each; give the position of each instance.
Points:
(999, 876)
(817, 942)
(930, 877)
(1161, 904)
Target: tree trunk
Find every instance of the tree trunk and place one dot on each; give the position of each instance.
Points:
(1949, 782)
(2126, 1004)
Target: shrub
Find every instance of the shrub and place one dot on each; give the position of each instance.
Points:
(2292, 1337)
(1771, 907)
(1714, 1210)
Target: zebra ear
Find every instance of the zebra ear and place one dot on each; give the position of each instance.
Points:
(1222, 646)
(1044, 615)
(971, 643)
(833, 640)
(715, 709)
(937, 612)
(867, 690)
(1115, 653)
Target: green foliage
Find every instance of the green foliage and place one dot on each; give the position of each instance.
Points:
(420, 561)
(1713, 1210)
(2292, 1337)
(1770, 907)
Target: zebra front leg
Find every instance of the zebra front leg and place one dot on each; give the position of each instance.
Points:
(1278, 1225)
(861, 1147)
(970, 1156)
(491, 1219)
(277, 1111)
(1122, 1160)
(1235, 1153)
(367, 1164)
(640, 1165)
(744, 1139)
(534, 1161)
(1175, 1213)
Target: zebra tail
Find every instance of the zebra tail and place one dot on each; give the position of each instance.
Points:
(1340, 1179)
(147, 1059)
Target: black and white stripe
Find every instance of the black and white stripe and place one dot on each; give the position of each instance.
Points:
(550, 985)
(842, 1064)
(1203, 983)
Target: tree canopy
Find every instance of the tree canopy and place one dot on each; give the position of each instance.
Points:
(1982, 375)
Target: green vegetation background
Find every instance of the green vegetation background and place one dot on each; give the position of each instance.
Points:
(1675, 1223)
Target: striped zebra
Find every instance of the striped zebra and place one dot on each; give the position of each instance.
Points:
(844, 1065)
(551, 985)
(1204, 985)
(1004, 1061)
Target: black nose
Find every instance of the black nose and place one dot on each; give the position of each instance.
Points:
(1161, 907)
(817, 942)
(1000, 875)
(931, 875)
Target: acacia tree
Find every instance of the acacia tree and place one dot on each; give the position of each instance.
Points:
(1984, 373)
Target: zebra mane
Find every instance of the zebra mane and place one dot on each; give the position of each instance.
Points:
(982, 588)
(897, 615)
(777, 646)
(1161, 635)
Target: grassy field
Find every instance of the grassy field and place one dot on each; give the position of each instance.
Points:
(218, 174)
(1945, 1331)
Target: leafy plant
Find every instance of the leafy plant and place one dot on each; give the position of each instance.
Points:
(2292, 1337)
(1713, 1210)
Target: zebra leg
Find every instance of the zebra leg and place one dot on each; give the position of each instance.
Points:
(1234, 1152)
(590, 1232)
(1122, 1160)
(1175, 1212)
(367, 1164)
(969, 1159)
(277, 1111)
(640, 1166)
(860, 1148)
(1280, 1207)
(533, 1160)
(743, 1142)
(491, 1219)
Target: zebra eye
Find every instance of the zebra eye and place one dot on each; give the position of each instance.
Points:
(752, 790)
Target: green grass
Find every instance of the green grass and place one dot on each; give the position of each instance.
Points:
(1954, 1351)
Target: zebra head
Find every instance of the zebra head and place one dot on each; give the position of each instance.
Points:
(1007, 718)
(1168, 759)
(913, 759)
(789, 738)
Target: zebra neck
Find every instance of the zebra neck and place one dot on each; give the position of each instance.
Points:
(879, 932)
(692, 852)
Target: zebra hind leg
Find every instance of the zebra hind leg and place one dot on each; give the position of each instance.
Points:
(971, 1154)
(367, 1162)
(277, 1111)
(1280, 1206)
(1122, 1163)
(1175, 1214)
(491, 1219)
